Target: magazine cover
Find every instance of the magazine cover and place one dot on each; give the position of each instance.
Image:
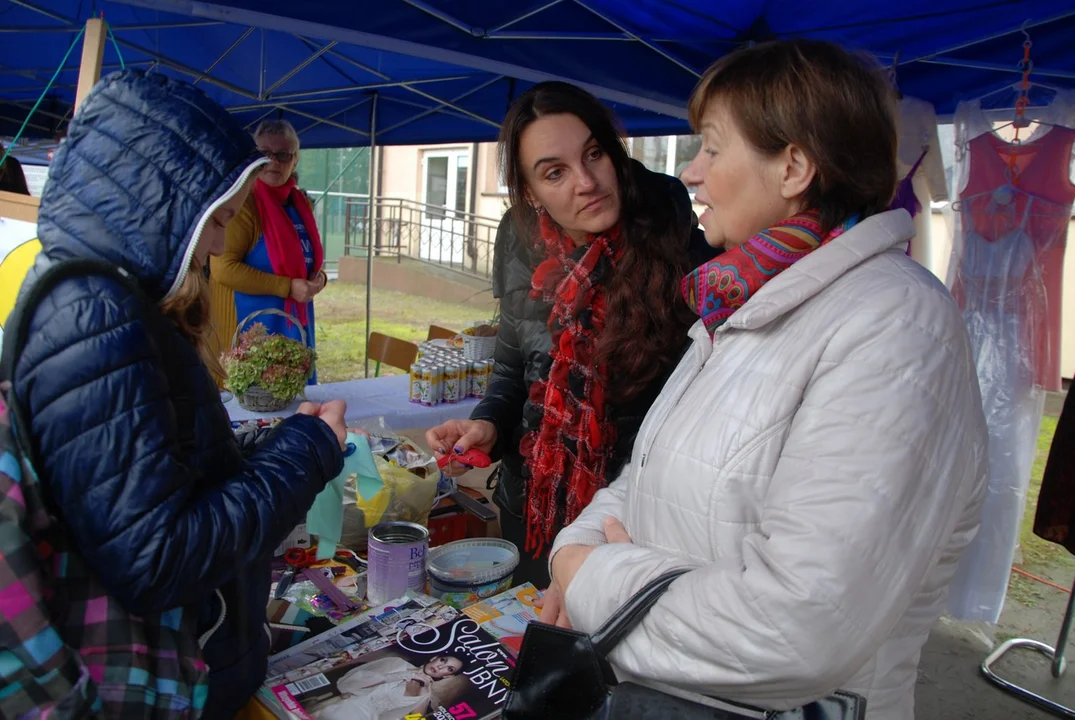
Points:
(454, 672)
(506, 615)
(378, 628)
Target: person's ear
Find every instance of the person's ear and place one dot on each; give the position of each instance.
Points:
(797, 172)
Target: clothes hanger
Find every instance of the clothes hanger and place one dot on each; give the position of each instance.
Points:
(1060, 211)
(1022, 88)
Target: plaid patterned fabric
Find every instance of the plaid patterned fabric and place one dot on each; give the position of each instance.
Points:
(41, 674)
(68, 650)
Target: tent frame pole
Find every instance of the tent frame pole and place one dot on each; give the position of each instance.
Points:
(369, 229)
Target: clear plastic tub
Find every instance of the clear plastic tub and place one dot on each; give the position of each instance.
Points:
(465, 572)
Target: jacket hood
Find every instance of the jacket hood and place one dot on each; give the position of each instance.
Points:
(815, 272)
(146, 161)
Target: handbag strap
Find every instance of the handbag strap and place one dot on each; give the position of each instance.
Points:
(631, 613)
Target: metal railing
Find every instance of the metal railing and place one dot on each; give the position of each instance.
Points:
(406, 228)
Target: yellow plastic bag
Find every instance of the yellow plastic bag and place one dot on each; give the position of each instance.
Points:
(407, 495)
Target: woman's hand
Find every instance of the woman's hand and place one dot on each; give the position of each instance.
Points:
(333, 413)
(566, 563)
(319, 282)
(552, 608)
(302, 290)
(416, 685)
(460, 436)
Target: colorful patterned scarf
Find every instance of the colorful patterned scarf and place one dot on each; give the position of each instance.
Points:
(567, 454)
(725, 284)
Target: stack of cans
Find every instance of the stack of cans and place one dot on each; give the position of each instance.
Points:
(442, 375)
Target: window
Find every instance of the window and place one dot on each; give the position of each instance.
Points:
(501, 181)
(669, 154)
(462, 166)
(445, 183)
(436, 184)
(651, 152)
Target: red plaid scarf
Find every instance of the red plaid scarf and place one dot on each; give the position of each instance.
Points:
(568, 452)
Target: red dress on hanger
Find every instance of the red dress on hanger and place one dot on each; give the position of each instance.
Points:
(1010, 233)
(1038, 208)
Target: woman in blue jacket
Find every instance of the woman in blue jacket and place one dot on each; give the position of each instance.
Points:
(136, 453)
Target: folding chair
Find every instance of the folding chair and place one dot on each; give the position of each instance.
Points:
(436, 332)
(390, 351)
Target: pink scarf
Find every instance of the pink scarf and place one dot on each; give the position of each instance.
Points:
(282, 239)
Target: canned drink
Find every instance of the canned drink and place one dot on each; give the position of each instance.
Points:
(397, 560)
(427, 387)
(468, 368)
(483, 370)
(454, 378)
(417, 380)
(436, 383)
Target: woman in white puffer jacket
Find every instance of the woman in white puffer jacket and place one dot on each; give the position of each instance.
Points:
(819, 456)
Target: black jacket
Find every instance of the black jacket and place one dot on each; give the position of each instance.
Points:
(524, 341)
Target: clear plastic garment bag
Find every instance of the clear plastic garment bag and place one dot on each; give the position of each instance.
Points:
(1011, 223)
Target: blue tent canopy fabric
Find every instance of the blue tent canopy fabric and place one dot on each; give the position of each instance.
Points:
(446, 70)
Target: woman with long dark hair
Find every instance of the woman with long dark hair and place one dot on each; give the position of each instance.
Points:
(587, 266)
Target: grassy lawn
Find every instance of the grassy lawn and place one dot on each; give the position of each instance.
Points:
(341, 325)
(1038, 556)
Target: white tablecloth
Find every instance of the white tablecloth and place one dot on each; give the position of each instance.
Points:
(386, 397)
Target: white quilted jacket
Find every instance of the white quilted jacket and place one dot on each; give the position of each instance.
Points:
(821, 464)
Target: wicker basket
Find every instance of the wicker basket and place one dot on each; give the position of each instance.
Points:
(256, 399)
(478, 348)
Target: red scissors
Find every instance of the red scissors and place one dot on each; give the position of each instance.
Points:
(473, 457)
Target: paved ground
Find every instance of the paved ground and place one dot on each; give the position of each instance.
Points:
(950, 686)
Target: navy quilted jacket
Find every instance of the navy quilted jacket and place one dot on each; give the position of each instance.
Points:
(137, 450)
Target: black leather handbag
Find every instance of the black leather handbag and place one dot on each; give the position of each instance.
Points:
(565, 674)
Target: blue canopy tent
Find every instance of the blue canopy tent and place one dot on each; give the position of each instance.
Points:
(428, 71)
(446, 71)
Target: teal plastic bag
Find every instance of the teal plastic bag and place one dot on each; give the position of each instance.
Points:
(325, 519)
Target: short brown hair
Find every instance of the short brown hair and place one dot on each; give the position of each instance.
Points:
(837, 106)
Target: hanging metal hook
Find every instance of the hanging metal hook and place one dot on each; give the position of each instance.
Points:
(1026, 36)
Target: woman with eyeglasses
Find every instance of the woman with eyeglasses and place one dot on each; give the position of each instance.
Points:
(274, 258)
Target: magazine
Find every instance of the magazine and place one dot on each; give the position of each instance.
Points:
(506, 615)
(373, 630)
(453, 672)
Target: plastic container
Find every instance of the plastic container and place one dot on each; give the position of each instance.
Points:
(464, 572)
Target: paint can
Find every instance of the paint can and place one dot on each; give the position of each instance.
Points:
(397, 560)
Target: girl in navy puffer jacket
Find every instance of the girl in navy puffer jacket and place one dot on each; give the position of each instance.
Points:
(172, 516)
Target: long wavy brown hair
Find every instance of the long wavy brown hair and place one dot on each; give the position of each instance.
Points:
(188, 311)
(647, 319)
